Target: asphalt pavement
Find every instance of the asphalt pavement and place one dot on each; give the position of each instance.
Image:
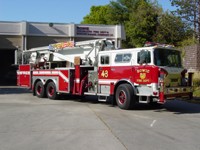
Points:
(30, 123)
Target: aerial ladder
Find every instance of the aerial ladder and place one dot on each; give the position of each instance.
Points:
(87, 51)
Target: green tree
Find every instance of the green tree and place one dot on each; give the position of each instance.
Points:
(189, 11)
(98, 15)
(117, 12)
(171, 29)
(120, 10)
(142, 23)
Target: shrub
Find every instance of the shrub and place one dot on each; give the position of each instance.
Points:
(196, 79)
(196, 82)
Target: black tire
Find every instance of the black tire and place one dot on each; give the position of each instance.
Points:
(40, 90)
(124, 96)
(51, 91)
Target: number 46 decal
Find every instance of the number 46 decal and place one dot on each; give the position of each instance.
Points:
(104, 73)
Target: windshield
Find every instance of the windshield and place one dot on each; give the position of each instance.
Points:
(167, 57)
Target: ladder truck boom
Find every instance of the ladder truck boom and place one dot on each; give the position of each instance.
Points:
(66, 51)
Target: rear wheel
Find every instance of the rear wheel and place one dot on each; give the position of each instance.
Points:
(125, 96)
(39, 89)
(51, 91)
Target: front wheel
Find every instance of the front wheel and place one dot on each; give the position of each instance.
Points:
(51, 91)
(125, 96)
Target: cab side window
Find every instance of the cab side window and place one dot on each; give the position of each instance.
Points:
(143, 57)
(123, 58)
(105, 60)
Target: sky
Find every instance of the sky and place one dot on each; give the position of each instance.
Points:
(57, 11)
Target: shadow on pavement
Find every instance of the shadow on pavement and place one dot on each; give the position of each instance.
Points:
(180, 107)
(175, 106)
(13, 90)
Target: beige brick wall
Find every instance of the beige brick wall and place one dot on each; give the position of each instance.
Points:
(192, 58)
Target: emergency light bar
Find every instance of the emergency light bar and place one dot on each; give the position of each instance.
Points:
(148, 44)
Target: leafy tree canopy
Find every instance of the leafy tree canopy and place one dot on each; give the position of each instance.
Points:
(189, 11)
(171, 29)
(98, 15)
(144, 21)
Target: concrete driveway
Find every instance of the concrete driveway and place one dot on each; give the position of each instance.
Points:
(30, 123)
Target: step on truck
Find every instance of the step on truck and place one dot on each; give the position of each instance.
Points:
(152, 74)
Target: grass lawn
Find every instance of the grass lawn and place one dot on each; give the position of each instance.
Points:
(196, 96)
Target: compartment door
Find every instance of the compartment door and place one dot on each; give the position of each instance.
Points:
(24, 76)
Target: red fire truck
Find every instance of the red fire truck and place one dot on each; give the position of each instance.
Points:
(137, 75)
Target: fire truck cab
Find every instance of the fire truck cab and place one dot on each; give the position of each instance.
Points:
(146, 75)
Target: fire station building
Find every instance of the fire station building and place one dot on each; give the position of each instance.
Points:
(25, 35)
